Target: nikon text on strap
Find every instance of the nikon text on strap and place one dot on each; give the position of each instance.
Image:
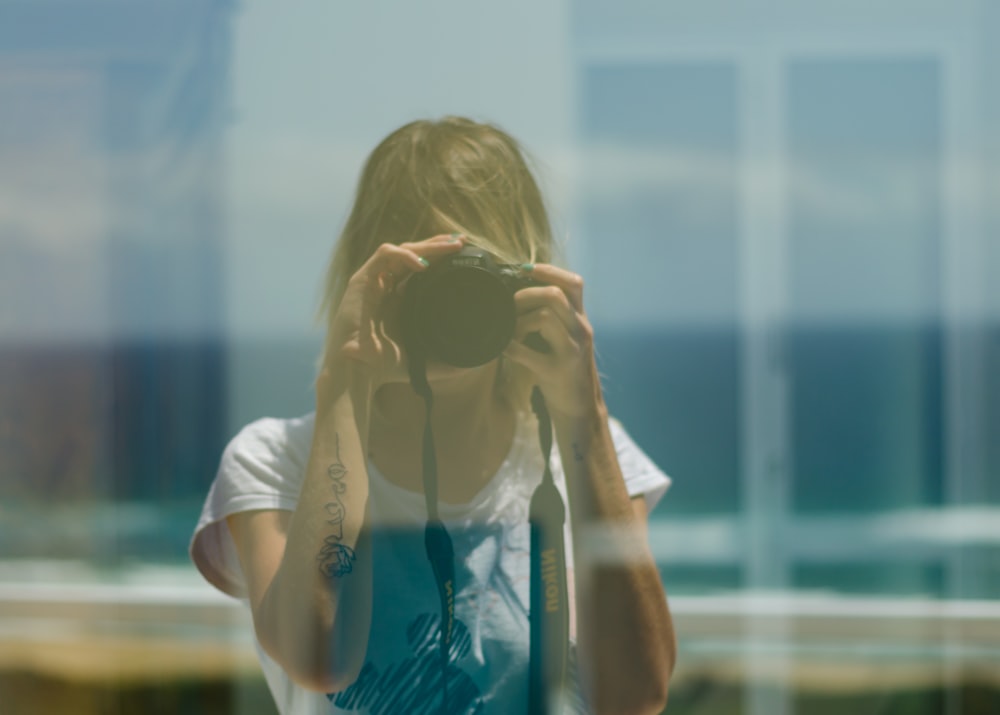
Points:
(549, 614)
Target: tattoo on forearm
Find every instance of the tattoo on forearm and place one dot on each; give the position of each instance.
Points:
(335, 558)
(577, 452)
(336, 509)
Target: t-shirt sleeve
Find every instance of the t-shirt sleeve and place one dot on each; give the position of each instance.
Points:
(642, 476)
(261, 468)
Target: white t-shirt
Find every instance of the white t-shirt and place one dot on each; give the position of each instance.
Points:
(263, 468)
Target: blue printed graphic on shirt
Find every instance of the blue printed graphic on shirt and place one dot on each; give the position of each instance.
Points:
(488, 658)
(414, 684)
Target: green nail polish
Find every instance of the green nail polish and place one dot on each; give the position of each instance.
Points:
(456, 235)
(423, 262)
(528, 267)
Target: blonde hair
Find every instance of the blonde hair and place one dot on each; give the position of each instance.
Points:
(452, 175)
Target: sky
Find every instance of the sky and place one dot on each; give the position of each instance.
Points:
(672, 140)
(314, 93)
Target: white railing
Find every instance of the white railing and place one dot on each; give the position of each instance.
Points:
(162, 621)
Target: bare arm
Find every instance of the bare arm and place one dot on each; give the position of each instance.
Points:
(625, 632)
(309, 571)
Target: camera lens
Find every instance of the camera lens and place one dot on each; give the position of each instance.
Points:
(469, 317)
(461, 315)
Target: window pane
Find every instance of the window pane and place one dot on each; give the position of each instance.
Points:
(864, 227)
(659, 228)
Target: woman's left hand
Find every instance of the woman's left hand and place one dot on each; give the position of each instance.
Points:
(567, 372)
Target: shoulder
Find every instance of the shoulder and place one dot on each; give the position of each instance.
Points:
(623, 440)
(269, 445)
(642, 475)
(261, 469)
(274, 434)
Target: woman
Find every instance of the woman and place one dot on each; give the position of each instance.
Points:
(317, 521)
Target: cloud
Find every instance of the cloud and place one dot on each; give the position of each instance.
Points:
(52, 195)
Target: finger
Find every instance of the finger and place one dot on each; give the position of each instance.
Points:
(434, 247)
(407, 258)
(536, 362)
(550, 298)
(386, 282)
(366, 338)
(442, 244)
(390, 258)
(570, 283)
(441, 238)
(428, 251)
(393, 350)
(575, 334)
(542, 321)
(388, 309)
(433, 252)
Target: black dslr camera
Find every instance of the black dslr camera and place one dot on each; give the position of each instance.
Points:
(460, 311)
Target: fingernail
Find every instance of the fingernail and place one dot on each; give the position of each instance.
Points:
(527, 267)
(454, 238)
(424, 262)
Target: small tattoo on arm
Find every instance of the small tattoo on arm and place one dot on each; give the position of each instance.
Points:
(335, 558)
(336, 509)
(577, 452)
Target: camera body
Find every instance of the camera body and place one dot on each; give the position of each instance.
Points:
(460, 311)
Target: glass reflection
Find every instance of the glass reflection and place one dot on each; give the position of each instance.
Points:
(785, 220)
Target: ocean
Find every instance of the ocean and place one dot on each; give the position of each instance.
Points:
(115, 446)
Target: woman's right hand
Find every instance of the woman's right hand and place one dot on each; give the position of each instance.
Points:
(364, 328)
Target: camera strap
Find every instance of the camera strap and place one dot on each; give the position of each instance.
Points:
(549, 610)
(437, 541)
(549, 614)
